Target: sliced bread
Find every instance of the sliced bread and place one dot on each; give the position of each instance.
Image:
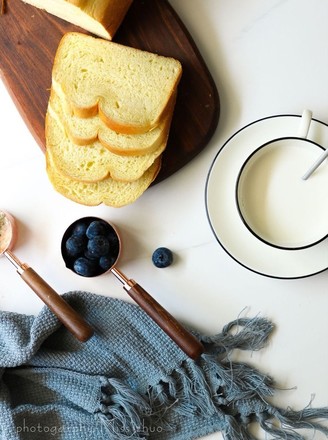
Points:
(92, 162)
(108, 191)
(101, 17)
(84, 131)
(129, 88)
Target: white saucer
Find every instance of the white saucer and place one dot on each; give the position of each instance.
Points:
(222, 211)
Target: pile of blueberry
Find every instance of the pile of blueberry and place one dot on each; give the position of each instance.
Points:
(90, 246)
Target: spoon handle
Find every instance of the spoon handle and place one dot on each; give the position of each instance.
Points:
(183, 338)
(56, 303)
(316, 164)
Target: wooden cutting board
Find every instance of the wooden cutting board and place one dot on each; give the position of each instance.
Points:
(29, 39)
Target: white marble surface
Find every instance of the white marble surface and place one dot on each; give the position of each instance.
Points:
(267, 57)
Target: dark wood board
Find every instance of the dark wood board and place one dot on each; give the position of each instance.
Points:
(29, 39)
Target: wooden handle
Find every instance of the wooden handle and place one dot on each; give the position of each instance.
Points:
(56, 303)
(184, 339)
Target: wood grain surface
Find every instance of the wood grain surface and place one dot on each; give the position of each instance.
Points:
(29, 39)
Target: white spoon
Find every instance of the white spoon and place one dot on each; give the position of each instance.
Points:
(316, 164)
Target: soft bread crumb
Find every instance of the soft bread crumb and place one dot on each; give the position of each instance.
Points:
(84, 131)
(92, 162)
(108, 191)
(129, 88)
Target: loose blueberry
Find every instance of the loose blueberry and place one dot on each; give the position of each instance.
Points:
(80, 229)
(85, 267)
(98, 246)
(75, 245)
(162, 257)
(97, 227)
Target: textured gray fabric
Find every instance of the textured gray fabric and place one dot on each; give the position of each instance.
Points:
(130, 381)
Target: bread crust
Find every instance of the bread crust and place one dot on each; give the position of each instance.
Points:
(68, 82)
(92, 163)
(107, 191)
(100, 17)
(117, 143)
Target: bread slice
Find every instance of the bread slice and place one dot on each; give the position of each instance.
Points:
(91, 163)
(84, 131)
(100, 17)
(108, 191)
(129, 88)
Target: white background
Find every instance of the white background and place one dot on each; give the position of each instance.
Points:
(267, 57)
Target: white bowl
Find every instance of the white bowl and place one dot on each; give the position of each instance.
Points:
(275, 203)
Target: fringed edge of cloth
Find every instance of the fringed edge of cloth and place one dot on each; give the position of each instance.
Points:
(214, 391)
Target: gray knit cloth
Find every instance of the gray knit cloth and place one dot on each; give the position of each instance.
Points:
(130, 381)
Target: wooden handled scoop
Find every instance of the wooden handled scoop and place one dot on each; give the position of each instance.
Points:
(56, 303)
(178, 333)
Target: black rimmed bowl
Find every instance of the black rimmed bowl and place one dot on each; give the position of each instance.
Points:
(275, 203)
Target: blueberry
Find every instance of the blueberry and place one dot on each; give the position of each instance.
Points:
(75, 245)
(98, 246)
(113, 243)
(106, 262)
(90, 256)
(85, 267)
(80, 229)
(162, 257)
(97, 227)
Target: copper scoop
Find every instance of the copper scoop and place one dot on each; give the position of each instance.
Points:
(56, 303)
(178, 333)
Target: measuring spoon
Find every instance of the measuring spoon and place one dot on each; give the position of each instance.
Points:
(56, 303)
(183, 338)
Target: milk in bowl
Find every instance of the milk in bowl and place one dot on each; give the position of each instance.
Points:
(275, 203)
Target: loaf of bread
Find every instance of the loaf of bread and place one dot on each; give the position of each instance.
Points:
(108, 191)
(108, 119)
(100, 17)
(85, 131)
(94, 162)
(129, 88)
